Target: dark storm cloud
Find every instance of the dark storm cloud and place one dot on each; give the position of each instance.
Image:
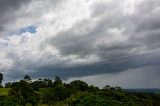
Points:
(8, 9)
(8, 5)
(113, 66)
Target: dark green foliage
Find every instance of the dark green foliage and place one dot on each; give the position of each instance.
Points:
(156, 99)
(95, 100)
(7, 101)
(11, 84)
(76, 93)
(79, 85)
(24, 93)
(41, 83)
(57, 81)
(92, 89)
(47, 94)
(127, 99)
(8, 85)
(1, 78)
(59, 93)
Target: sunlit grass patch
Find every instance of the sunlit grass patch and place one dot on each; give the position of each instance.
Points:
(4, 91)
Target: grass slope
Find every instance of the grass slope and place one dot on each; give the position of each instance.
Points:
(4, 91)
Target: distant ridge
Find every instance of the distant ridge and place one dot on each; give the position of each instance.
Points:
(143, 90)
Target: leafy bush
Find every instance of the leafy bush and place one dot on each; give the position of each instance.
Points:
(95, 100)
(7, 101)
(24, 93)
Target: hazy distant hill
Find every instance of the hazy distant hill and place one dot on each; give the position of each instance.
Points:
(148, 90)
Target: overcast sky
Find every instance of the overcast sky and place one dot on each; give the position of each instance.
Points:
(115, 42)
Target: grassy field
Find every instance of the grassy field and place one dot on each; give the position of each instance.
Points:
(4, 91)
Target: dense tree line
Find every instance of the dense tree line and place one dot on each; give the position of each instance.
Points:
(76, 93)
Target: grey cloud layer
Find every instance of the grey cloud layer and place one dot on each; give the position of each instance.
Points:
(8, 9)
(108, 37)
(139, 50)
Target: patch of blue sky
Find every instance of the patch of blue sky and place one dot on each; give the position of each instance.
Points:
(30, 29)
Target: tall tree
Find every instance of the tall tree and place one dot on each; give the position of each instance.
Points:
(27, 78)
(57, 81)
(1, 78)
(79, 85)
